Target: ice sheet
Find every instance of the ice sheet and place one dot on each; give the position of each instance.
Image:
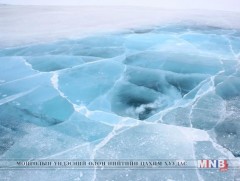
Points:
(164, 92)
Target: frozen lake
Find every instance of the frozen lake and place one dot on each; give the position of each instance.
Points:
(146, 88)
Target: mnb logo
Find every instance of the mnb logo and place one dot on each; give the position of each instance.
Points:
(221, 164)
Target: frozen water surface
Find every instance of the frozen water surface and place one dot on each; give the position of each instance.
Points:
(167, 92)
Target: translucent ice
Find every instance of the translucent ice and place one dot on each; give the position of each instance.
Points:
(169, 92)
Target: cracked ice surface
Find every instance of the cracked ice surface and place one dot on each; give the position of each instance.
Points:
(169, 92)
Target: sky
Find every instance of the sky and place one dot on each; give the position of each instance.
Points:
(226, 5)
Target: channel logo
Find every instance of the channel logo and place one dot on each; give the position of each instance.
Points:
(208, 164)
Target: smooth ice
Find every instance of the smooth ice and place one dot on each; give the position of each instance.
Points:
(168, 92)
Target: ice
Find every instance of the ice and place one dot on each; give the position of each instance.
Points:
(164, 92)
(51, 63)
(215, 44)
(228, 131)
(89, 81)
(171, 61)
(143, 137)
(209, 107)
(14, 63)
